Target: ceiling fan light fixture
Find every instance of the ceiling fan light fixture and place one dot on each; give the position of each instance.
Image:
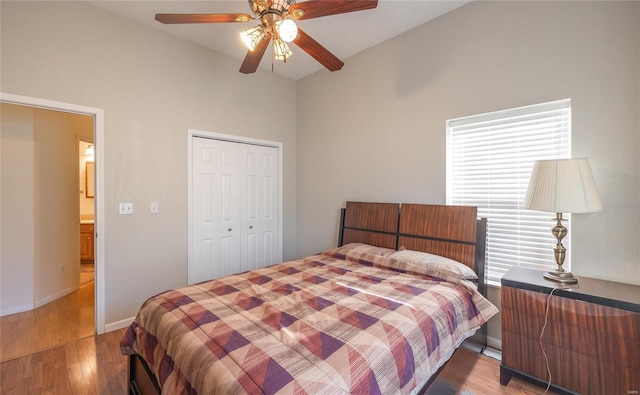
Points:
(282, 5)
(281, 50)
(287, 30)
(278, 20)
(251, 37)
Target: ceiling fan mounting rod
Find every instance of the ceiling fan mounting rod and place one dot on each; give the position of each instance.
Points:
(269, 20)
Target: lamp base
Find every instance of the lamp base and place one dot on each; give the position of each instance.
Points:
(561, 277)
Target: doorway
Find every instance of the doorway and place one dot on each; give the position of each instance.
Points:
(86, 182)
(98, 138)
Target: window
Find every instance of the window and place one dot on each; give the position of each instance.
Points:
(489, 162)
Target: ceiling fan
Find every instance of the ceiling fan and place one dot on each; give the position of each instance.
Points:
(277, 21)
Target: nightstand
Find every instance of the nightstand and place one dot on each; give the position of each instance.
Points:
(592, 337)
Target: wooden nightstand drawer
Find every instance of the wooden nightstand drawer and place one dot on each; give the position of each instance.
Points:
(591, 316)
(592, 336)
(573, 371)
(604, 333)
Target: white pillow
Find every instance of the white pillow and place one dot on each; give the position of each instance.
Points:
(361, 248)
(435, 265)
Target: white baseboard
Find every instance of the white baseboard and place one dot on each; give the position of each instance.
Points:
(55, 296)
(38, 303)
(494, 343)
(114, 326)
(16, 309)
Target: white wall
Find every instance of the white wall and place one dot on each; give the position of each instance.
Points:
(376, 130)
(152, 88)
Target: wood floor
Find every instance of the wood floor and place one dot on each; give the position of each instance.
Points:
(469, 371)
(94, 365)
(68, 318)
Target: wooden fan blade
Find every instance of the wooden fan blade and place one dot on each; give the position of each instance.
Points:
(318, 8)
(202, 18)
(252, 58)
(317, 51)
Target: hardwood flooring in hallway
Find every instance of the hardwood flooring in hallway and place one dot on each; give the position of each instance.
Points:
(68, 318)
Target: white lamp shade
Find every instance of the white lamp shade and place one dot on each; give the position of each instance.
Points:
(562, 186)
(288, 30)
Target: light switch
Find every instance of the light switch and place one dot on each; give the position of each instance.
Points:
(126, 209)
(155, 208)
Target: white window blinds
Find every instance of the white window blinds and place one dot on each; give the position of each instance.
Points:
(489, 162)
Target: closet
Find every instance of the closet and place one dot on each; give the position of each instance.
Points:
(235, 215)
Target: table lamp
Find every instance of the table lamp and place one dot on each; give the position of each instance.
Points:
(562, 186)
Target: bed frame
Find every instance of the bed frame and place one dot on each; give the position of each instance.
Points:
(454, 232)
(451, 231)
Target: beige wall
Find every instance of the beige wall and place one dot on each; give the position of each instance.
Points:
(56, 205)
(16, 210)
(376, 130)
(40, 241)
(152, 88)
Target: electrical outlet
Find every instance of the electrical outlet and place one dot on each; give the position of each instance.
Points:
(155, 208)
(125, 209)
(62, 269)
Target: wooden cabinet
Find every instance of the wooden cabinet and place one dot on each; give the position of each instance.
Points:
(86, 243)
(592, 336)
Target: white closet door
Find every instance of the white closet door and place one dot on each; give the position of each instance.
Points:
(216, 209)
(260, 217)
(235, 208)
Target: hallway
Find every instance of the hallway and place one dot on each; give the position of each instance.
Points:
(61, 321)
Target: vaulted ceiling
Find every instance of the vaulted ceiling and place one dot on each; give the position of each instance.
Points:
(344, 35)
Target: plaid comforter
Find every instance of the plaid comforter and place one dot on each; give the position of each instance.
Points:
(332, 323)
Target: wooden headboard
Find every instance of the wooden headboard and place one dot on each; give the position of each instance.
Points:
(451, 231)
(448, 231)
(370, 223)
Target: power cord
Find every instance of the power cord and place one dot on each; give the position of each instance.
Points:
(544, 326)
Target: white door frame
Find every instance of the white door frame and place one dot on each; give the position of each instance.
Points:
(191, 133)
(98, 125)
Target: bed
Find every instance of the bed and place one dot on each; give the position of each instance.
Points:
(381, 313)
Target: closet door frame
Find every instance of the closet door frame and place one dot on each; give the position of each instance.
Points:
(194, 133)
